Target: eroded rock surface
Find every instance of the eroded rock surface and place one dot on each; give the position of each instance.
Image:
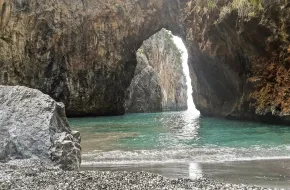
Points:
(239, 54)
(83, 53)
(159, 83)
(33, 125)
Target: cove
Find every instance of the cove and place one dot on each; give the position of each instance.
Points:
(63, 59)
(187, 145)
(238, 52)
(180, 144)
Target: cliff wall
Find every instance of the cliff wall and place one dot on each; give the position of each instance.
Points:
(239, 58)
(83, 53)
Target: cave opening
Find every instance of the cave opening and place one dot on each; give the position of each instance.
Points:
(161, 79)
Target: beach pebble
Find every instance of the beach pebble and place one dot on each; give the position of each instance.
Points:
(34, 175)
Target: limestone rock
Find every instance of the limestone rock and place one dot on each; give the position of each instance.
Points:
(80, 53)
(33, 125)
(238, 52)
(159, 83)
(83, 53)
(144, 93)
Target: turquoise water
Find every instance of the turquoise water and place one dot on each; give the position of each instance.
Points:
(178, 137)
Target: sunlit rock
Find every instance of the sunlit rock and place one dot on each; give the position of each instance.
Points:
(159, 83)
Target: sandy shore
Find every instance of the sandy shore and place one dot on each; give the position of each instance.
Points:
(31, 175)
(264, 173)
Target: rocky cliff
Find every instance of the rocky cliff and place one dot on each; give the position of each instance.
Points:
(33, 125)
(239, 57)
(83, 53)
(159, 83)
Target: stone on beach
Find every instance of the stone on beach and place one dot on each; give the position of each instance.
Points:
(48, 178)
(33, 125)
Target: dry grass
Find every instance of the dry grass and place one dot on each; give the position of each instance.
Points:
(245, 8)
(209, 4)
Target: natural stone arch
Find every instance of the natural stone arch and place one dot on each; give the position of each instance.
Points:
(83, 52)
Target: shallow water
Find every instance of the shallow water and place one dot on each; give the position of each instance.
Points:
(179, 136)
(177, 141)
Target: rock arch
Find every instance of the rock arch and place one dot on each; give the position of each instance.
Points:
(83, 52)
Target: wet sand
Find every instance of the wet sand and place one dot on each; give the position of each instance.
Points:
(38, 175)
(265, 173)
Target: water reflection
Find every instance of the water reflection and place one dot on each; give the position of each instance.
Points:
(267, 173)
(180, 129)
(195, 171)
(189, 131)
(180, 137)
(182, 144)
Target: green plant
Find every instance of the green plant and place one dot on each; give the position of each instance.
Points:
(140, 50)
(245, 8)
(256, 2)
(211, 4)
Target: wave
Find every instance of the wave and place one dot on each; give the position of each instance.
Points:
(197, 155)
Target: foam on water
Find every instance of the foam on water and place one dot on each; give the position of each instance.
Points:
(198, 155)
(178, 137)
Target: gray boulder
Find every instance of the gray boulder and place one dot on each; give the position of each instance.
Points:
(144, 93)
(33, 125)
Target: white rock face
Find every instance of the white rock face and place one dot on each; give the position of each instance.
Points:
(33, 125)
(159, 83)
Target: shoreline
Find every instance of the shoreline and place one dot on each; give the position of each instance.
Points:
(269, 173)
(38, 175)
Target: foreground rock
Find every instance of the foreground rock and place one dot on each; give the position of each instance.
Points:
(33, 125)
(159, 83)
(38, 176)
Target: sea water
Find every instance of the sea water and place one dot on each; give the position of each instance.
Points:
(178, 137)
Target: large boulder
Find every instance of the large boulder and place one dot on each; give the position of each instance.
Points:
(144, 92)
(33, 125)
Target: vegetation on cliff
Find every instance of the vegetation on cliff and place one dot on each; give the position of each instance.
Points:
(83, 53)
